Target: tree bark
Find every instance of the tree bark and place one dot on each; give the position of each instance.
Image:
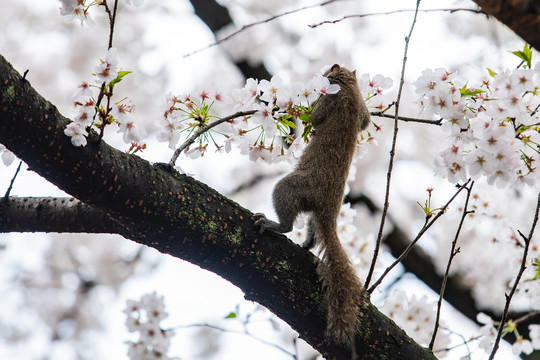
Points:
(180, 216)
(522, 16)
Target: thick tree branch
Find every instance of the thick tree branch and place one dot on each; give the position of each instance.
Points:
(182, 217)
(216, 17)
(522, 16)
(48, 214)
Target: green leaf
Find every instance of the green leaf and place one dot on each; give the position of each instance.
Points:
(525, 55)
(232, 315)
(304, 117)
(288, 123)
(491, 72)
(464, 91)
(307, 130)
(121, 74)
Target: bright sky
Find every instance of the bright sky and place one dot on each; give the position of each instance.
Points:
(194, 296)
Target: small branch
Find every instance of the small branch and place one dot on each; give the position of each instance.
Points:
(476, 11)
(267, 20)
(112, 20)
(522, 268)
(251, 183)
(527, 317)
(453, 253)
(465, 342)
(392, 152)
(204, 129)
(60, 215)
(407, 119)
(245, 332)
(6, 196)
(420, 234)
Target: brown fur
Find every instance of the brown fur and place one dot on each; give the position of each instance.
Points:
(316, 187)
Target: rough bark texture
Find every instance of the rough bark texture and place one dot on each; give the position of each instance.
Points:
(180, 216)
(522, 16)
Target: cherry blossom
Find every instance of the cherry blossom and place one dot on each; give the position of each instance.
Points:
(490, 125)
(416, 317)
(264, 116)
(135, 3)
(534, 335)
(77, 132)
(270, 88)
(132, 132)
(306, 93)
(7, 156)
(374, 85)
(522, 345)
(76, 9)
(85, 113)
(245, 97)
(106, 71)
(83, 91)
(322, 86)
(144, 316)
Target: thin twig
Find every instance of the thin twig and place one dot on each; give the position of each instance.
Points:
(476, 11)
(271, 18)
(453, 253)
(526, 317)
(245, 332)
(418, 236)
(204, 129)
(408, 119)
(527, 240)
(465, 342)
(112, 20)
(392, 151)
(6, 196)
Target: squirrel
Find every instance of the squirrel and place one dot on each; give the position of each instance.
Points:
(316, 187)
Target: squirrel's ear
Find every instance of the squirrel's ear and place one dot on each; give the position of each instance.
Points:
(354, 73)
(335, 67)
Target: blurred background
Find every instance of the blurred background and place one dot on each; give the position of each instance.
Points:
(63, 294)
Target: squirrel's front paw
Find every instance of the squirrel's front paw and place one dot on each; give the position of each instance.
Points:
(260, 220)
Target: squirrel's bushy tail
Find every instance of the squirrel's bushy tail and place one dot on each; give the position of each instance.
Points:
(343, 288)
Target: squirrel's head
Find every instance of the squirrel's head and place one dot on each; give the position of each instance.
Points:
(340, 75)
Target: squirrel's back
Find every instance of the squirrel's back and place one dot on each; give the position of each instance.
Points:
(337, 119)
(316, 186)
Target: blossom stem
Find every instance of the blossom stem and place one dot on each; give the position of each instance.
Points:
(6, 196)
(453, 253)
(420, 233)
(407, 119)
(204, 129)
(527, 240)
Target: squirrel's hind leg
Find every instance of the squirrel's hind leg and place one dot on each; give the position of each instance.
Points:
(266, 224)
(309, 243)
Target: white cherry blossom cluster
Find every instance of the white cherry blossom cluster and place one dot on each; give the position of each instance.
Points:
(144, 316)
(265, 134)
(91, 114)
(416, 317)
(488, 334)
(494, 128)
(258, 135)
(373, 89)
(78, 9)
